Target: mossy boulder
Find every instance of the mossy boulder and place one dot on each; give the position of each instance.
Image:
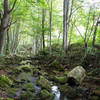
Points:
(25, 68)
(61, 79)
(29, 87)
(76, 75)
(24, 77)
(12, 92)
(25, 62)
(5, 81)
(68, 91)
(44, 83)
(35, 71)
(95, 98)
(27, 96)
(45, 95)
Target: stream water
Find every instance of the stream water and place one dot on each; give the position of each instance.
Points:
(57, 93)
(33, 80)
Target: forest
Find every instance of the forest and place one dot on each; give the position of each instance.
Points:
(49, 49)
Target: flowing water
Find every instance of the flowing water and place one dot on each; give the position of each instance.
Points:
(33, 80)
(57, 93)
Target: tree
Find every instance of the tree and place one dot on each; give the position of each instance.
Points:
(94, 35)
(5, 21)
(43, 23)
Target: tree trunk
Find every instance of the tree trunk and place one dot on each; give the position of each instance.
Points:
(94, 35)
(65, 24)
(1, 39)
(50, 14)
(5, 22)
(8, 42)
(43, 21)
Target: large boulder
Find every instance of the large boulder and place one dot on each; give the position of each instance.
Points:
(76, 76)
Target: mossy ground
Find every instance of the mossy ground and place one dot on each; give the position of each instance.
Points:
(50, 68)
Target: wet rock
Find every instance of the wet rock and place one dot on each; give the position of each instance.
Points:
(29, 87)
(44, 83)
(76, 76)
(45, 95)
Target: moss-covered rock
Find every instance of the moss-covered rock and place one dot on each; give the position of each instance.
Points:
(5, 81)
(35, 71)
(27, 96)
(68, 91)
(24, 77)
(76, 75)
(95, 98)
(12, 92)
(44, 83)
(45, 95)
(29, 87)
(61, 79)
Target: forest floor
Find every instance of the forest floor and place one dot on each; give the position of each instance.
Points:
(33, 78)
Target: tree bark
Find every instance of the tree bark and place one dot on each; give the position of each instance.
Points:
(65, 24)
(94, 35)
(43, 21)
(5, 22)
(50, 14)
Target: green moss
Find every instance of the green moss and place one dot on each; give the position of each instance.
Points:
(68, 91)
(27, 96)
(95, 97)
(55, 64)
(12, 91)
(44, 83)
(5, 81)
(9, 99)
(45, 95)
(29, 87)
(61, 79)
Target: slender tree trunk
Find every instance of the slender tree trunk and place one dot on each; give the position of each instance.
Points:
(1, 40)
(50, 14)
(65, 24)
(8, 41)
(43, 21)
(94, 35)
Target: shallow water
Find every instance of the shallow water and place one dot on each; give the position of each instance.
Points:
(57, 93)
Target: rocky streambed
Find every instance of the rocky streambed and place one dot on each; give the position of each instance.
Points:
(29, 80)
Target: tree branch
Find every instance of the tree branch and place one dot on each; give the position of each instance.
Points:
(13, 6)
(79, 32)
(10, 24)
